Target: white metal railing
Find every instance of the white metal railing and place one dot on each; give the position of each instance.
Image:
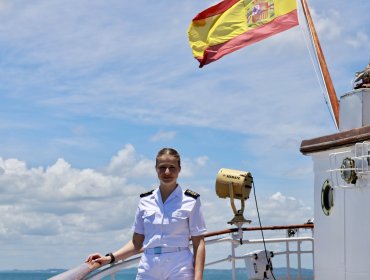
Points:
(360, 153)
(287, 240)
(238, 250)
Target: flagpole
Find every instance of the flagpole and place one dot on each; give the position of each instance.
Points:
(334, 102)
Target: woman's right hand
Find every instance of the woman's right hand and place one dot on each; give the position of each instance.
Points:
(98, 258)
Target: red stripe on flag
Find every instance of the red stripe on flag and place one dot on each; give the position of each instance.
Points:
(277, 25)
(216, 9)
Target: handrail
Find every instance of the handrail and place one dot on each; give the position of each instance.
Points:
(231, 230)
(95, 273)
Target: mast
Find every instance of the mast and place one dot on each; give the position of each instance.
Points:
(323, 67)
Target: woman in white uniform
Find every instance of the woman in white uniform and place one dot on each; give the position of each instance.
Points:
(165, 220)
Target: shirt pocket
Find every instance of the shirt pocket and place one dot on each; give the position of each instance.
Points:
(179, 217)
(148, 216)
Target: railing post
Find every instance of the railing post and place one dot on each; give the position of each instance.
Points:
(287, 257)
(233, 246)
(299, 260)
(313, 253)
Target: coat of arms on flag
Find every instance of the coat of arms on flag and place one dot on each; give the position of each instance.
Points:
(259, 11)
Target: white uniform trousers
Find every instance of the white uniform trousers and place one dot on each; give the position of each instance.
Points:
(166, 266)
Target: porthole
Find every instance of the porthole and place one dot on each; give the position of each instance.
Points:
(327, 198)
(348, 172)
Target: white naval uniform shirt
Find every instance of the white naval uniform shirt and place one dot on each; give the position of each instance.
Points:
(169, 224)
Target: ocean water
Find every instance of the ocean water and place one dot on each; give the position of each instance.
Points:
(129, 274)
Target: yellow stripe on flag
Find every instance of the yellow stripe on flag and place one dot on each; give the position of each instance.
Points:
(216, 25)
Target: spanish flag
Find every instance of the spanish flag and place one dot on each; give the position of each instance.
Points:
(234, 24)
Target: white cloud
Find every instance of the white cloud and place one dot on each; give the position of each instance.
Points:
(4, 5)
(282, 209)
(19, 222)
(190, 167)
(37, 200)
(163, 135)
(201, 161)
(83, 143)
(329, 24)
(359, 39)
(275, 209)
(128, 163)
(50, 193)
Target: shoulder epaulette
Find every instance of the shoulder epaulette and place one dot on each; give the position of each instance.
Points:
(146, 194)
(192, 194)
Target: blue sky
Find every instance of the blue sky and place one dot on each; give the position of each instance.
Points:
(91, 90)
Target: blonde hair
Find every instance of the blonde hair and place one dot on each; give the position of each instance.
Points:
(168, 151)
